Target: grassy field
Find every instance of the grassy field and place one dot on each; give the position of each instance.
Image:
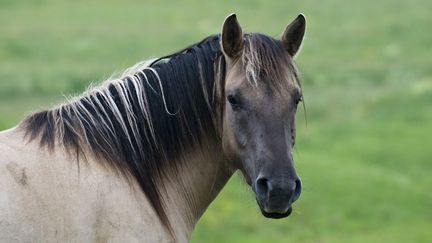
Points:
(364, 155)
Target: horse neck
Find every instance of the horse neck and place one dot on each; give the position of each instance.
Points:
(203, 174)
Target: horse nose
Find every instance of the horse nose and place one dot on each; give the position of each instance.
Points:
(276, 193)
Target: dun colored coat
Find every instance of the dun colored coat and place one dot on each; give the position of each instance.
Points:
(140, 158)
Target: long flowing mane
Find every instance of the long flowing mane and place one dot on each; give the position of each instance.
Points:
(140, 122)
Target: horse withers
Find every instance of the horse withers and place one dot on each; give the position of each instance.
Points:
(140, 157)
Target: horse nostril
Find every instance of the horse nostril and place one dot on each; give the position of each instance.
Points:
(297, 190)
(262, 186)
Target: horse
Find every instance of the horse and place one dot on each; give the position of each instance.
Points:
(139, 157)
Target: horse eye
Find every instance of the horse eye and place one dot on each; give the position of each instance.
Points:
(233, 102)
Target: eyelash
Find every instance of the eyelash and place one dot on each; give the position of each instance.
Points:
(300, 99)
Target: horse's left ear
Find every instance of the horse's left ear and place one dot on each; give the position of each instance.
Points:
(292, 37)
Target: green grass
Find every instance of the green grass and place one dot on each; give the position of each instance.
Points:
(364, 155)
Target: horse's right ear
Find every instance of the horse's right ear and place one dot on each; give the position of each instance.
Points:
(232, 37)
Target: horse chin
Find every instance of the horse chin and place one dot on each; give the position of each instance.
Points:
(277, 215)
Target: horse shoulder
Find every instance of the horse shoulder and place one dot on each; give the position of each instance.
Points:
(51, 197)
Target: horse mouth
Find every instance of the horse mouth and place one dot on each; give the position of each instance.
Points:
(277, 215)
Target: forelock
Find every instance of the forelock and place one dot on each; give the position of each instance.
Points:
(265, 59)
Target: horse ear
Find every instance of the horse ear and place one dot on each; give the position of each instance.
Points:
(292, 37)
(232, 36)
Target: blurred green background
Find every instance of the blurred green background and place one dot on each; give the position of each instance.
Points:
(364, 155)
